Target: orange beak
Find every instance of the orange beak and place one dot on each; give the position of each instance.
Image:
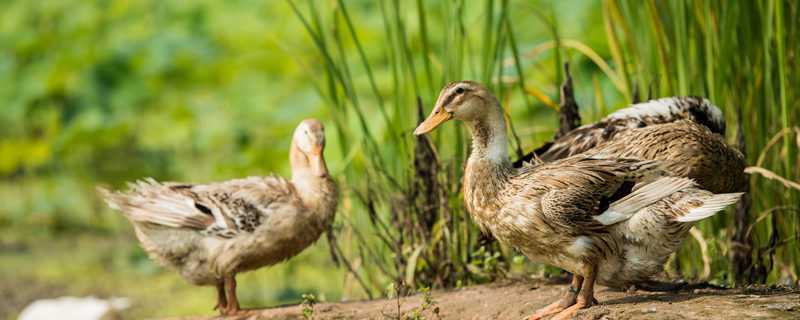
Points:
(437, 117)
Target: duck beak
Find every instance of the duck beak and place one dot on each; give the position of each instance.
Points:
(317, 162)
(437, 117)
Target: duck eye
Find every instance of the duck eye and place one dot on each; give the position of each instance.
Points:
(460, 90)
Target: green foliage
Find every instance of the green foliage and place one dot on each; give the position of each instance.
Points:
(734, 54)
(486, 264)
(98, 92)
(422, 232)
(309, 300)
(628, 51)
(428, 306)
(109, 92)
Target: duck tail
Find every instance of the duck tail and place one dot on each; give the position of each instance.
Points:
(152, 202)
(114, 200)
(715, 203)
(644, 196)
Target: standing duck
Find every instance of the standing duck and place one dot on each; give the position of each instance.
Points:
(612, 221)
(211, 232)
(684, 132)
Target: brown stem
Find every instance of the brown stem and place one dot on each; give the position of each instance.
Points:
(741, 248)
(336, 252)
(569, 118)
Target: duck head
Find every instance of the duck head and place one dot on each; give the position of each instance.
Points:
(308, 144)
(463, 100)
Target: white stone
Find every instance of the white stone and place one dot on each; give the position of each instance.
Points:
(74, 308)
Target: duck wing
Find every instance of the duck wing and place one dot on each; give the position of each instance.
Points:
(222, 209)
(688, 149)
(577, 189)
(654, 112)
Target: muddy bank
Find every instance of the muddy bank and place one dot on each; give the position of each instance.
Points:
(516, 300)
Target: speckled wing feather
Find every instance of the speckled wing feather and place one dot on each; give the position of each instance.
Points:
(222, 209)
(646, 195)
(660, 111)
(577, 189)
(691, 150)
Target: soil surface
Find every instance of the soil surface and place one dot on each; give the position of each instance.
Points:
(518, 299)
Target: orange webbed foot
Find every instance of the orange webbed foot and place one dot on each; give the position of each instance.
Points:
(566, 300)
(570, 312)
(553, 308)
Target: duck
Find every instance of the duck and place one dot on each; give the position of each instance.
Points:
(211, 232)
(687, 133)
(611, 221)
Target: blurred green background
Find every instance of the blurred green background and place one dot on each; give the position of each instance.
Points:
(103, 92)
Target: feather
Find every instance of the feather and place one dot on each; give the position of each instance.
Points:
(222, 209)
(646, 195)
(672, 109)
(149, 203)
(710, 207)
(651, 113)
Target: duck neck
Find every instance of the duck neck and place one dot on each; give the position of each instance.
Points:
(489, 139)
(318, 193)
(488, 167)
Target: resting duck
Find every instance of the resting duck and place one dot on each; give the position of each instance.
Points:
(684, 132)
(211, 232)
(612, 221)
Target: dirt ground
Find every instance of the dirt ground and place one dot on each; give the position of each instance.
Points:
(517, 299)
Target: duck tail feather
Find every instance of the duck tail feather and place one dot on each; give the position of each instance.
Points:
(112, 199)
(641, 197)
(710, 207)
(153, 202)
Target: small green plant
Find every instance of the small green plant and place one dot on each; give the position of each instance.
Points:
(393, 292)
(428, 304)
(309, 300)
(486, 264)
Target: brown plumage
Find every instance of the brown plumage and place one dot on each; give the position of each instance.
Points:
(606, 219)
(211, 232)
(684, 132)
(687, 150)
(640, 115)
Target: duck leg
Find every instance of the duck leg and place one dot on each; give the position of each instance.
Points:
(222, 302)
(562, 303)
(233, 302)
(585, 297)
